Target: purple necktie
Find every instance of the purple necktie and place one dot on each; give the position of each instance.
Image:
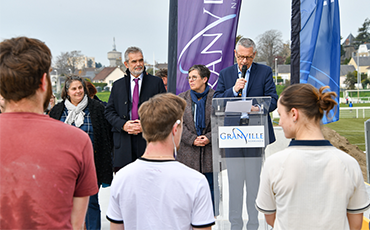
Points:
(135, 101)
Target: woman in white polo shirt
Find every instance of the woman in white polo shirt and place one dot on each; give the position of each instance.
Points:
(310, 184)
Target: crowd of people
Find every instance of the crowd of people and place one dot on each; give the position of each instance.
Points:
(159, 147)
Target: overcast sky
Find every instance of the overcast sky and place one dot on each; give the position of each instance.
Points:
(90, 25)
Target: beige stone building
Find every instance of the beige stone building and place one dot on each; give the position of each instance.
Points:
(364, 63)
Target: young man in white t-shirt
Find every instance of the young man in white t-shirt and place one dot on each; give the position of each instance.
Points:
(156, 191)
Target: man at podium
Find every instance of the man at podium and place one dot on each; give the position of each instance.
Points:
(254, 80)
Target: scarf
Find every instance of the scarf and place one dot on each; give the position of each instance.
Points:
(201, 109)
(75, 113)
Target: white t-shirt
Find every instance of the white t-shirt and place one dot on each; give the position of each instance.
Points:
(311, 185)
(160, 194)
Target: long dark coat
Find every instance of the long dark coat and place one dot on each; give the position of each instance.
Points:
(198, 158)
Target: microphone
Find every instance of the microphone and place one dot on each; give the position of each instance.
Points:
(244, 70)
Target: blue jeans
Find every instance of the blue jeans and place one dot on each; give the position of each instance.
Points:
(93, 218)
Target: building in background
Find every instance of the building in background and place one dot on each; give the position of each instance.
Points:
(114, 56)
(348, 47)
(108, 75)
(364, 63)
(284, 72)
(364, 50)
(344, 70)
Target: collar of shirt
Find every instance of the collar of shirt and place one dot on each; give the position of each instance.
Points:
(310, 143)
(133, 83)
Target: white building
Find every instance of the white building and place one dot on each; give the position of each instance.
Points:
(108, 75)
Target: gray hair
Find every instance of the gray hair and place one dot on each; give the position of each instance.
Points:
(247, 43)
(132, 49)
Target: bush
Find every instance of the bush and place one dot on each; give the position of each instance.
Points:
(101, 85)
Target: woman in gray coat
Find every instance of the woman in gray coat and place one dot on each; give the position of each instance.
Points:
(195, 148)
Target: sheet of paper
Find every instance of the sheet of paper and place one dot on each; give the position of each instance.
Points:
(239, 106)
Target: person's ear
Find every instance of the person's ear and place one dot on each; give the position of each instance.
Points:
(295, 114)
(175, 127)
(44, 82)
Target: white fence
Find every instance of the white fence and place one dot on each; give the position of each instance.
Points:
(354, 112)
(348, 112)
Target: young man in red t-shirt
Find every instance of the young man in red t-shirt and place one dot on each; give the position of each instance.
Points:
(47, 168)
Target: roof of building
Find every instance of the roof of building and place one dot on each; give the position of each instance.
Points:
(162, 66)
(104, 73)
(345, 69)
(364, 61)
(283, 68)
(349, 40)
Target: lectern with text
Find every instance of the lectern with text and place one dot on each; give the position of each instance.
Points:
(239, 137)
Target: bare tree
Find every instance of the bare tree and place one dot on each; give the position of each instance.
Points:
(67, 62)
(285, 52)
(269, 46)
(74, 60)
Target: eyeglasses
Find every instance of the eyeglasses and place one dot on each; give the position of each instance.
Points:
(245, 57)
(193, 78)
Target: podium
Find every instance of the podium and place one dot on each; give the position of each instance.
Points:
(239, 138)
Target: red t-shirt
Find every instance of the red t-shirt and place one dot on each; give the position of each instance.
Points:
(44, 163)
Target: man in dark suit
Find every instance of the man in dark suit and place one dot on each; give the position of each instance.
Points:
(257, 82)
(127, 94)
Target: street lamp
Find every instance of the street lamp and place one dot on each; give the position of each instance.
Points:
(358, 78)
(276, 71)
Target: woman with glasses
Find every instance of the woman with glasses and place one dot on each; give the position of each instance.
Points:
(195, 148)
(79, 110)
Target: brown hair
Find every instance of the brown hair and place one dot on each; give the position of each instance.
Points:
(307, 98)
(91, 89)
(68, 82)
(159, 114)
(161, 73)
(23, 62)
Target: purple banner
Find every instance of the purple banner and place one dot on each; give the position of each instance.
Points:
(206, 36)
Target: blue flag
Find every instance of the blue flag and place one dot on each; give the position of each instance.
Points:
(316, 48)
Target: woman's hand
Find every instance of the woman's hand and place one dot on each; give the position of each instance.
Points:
(201, 141)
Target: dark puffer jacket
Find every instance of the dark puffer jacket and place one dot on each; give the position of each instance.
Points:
(103, 144)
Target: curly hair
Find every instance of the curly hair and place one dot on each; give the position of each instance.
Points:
(311, 101)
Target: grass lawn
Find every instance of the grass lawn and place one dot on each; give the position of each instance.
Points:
(352, 129)
(104, 96)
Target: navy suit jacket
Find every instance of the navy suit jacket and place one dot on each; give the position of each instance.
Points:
(260, 84)
(117, 112)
